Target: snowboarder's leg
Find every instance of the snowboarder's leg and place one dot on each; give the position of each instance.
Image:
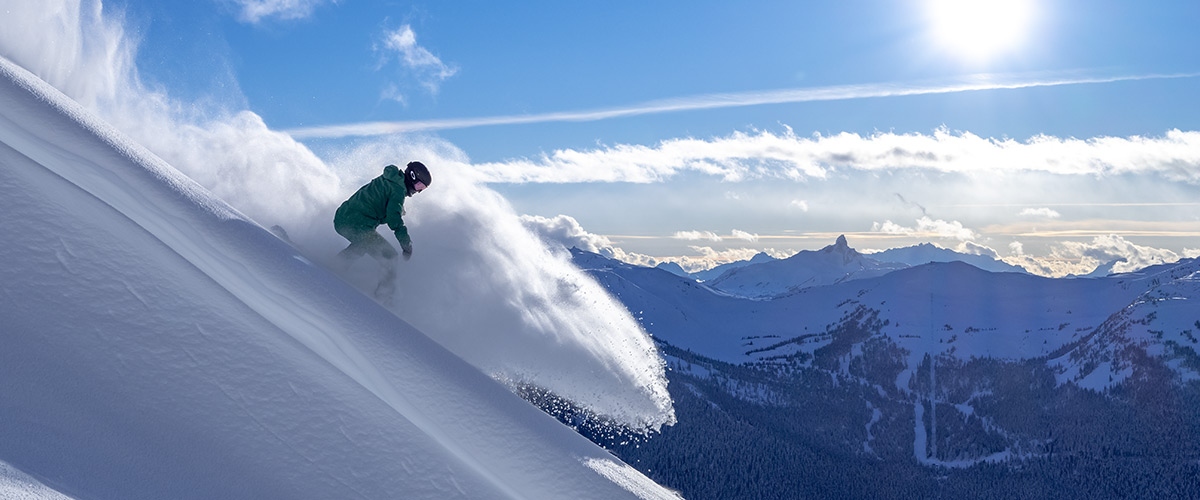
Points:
(359, 242)
(387, 283)
(366, 241)
(371, 243)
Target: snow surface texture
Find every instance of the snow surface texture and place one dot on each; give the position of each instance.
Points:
(157, 344)
(479, 283)
(16, 485)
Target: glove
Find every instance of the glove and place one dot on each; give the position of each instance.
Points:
(406, 251)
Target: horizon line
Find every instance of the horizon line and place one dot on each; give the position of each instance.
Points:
(708, 101)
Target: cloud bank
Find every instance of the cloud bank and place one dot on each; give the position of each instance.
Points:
(481, 283)
(1174, 156)
(1083, 257)
(928, 227)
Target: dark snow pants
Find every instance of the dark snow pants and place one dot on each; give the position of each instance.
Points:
(365, 241)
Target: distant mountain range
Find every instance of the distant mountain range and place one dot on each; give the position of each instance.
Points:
(833, 264)
(861, 380)
(928, 252)
(764, 276)
(712, 273)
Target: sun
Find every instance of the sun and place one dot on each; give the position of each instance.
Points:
(979, 30)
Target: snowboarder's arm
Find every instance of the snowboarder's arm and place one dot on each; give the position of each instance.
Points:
(405, 241)
(395, 222)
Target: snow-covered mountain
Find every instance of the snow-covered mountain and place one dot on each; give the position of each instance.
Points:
(940, 380)
(716, 272)
(674, 268)
(833, 264)
(1102, 270)
(928, 252)
(952, 309)
(157, 344)
(1162, 324)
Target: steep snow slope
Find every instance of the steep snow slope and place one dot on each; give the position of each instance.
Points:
(16, 485)
(156, 345)
(927, 252)
(1164, 323)
(480, 283)
(833, 264)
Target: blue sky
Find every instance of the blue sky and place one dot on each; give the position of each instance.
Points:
(706, 131)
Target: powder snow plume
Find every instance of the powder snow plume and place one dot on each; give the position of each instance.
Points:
(489, 289)
(480, 283)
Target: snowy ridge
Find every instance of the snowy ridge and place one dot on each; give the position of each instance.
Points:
(1163, 323)
(833, 264)
(716, 272)
(159, 345)
(926, 253)
(942, 308)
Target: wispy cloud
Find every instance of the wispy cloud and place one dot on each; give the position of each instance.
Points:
(743, 235)
(928, 227)
(420, 64)
(911, 204)
(715, 101)
(1047, 213)
(697, 235)
(255, 11)
(1091, 228)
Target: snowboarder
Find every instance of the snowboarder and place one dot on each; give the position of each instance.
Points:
(380, 201)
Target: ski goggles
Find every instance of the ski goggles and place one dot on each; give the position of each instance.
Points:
(419, 186)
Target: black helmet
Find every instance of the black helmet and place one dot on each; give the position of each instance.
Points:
(416, 177)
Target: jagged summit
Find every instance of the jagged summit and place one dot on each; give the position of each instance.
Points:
(842, 247)
(833, 264)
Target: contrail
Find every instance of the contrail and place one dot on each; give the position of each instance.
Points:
(707, 101)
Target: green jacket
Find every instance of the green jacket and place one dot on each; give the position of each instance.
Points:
(381, 201)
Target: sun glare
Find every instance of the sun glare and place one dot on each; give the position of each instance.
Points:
(980, 29)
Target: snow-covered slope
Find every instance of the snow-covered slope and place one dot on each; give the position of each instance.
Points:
(716, 272)
(833, 264)
(951, 308)
(928, 252)
(1101, 270)
(673, 268)
(156, 344)
(1164, 323)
